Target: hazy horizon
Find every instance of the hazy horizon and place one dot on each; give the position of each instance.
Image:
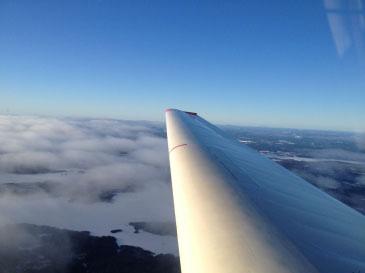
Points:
(161, 121)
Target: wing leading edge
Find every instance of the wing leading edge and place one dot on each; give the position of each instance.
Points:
(237, 211)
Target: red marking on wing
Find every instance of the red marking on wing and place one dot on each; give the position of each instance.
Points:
(177, 146)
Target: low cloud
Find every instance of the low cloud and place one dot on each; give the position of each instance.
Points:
(326, 183)
(86, 174)
(360, 141)
(361, 180)
(338, 154)
(81, 159)
(322, 182)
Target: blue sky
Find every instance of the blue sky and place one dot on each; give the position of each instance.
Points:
(268, 63)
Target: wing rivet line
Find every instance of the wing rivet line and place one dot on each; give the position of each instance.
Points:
(177, 146)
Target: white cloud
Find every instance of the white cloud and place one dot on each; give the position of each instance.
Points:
(361, 180)
(107, 154)
(326, 183)
(85, 174)
(360, 141)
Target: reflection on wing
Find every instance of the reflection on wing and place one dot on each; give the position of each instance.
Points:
(238, 211)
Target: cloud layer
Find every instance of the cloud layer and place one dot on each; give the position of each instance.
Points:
(86, 174)
(81, 159)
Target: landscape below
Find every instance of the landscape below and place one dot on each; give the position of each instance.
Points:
(59, 177)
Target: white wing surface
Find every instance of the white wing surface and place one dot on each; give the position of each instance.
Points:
(237, 211)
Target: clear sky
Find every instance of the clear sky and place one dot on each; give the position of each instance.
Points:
(273, 63)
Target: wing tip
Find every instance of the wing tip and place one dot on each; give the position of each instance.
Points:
(187, 112)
